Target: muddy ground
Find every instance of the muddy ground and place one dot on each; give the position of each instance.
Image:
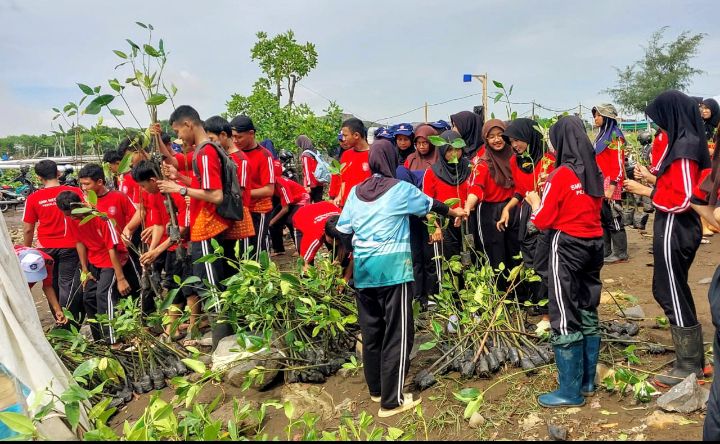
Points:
(510, 410)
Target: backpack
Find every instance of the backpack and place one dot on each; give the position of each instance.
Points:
(322, 170)
(231, 206)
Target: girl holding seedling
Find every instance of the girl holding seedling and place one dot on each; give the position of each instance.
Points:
(469, 126)
(376, 214)
(449, 178)
(492, 177)
(531, 164)
(570, 209)
(610, 156)
(681, 155)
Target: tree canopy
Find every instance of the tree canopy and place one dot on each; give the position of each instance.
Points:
(665, 65)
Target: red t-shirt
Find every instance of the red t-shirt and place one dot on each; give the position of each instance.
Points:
(309, 164)
(128, 186)
(184, 161)
(260, 173)
(205, 223)
(290, 192)
(52, 231)
(482, 181)
(355, 169)
(658, 151)
(525, 182)
(49, 263)
(158, 214)
(334, 187)
(610, 162)
(442, 191)
(241, 161)
(310, 221)
(567, 208)
(99, 236)
(674, 188)
(117, 206)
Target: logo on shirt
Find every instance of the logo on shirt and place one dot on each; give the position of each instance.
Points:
(577, 187)
(112, 210)
(366, 166)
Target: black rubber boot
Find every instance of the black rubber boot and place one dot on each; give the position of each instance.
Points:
(619, 248)
(607, 243)
(689, 355)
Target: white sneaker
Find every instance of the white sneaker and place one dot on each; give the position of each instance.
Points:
(408, 404)
(375, 398)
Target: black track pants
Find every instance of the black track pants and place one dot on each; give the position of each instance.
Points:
(574, 275)
(386, 323)
(498, 246)
(424, 267)
(676, 239)
(260, 242)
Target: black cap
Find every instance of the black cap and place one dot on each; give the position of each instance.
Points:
(242, 124)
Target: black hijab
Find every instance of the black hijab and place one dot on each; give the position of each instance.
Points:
(679, 116)
(714, 119)
(575, 151)
(524, 129)
(450, 173)
(469, 125)
(383, 161)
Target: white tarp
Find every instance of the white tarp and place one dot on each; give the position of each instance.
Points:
(24, 350)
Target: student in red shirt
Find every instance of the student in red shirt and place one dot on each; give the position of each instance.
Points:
(260, 180)
(334, 187)
(469, 126)
(38, 266)
(448, 178)
(570, 208)
(146, 176)
(292, 196)
(309, 223)
(53, 236)
(113, 158)
(354, 161)
(530, 165)
(205, 194)
(103, 260)
(115, 204)
(677, 230)
(308, 157)
(610, 156)
(219, 131)
(492, 178)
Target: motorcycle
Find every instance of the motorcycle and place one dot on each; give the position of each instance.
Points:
(66, 178)
(288, 165)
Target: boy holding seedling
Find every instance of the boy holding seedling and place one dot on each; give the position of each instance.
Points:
(376, 215)
(205, 194)
(115, 204)
(107, 273)
(146, 176)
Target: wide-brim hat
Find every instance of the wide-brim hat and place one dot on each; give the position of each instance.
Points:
(606, 110)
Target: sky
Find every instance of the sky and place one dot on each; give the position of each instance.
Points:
(376, 59)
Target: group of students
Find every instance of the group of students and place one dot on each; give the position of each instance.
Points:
(554, 203)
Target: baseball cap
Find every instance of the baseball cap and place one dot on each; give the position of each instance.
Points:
(440, 125)
(242, 124)
(340, 138)
(384, 133)
(403, 129)
(33, 265)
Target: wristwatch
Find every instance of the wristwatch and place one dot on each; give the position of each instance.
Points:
(183, 191)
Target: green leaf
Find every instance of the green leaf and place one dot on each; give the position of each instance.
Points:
(86, 89)
(458, 143)
(427, 346)
(125, 163)
(289, 410)
(173, 89)
(115, 85)
(498, 97)
(96, 105)
(96, 90)
(452, 202)
(85, 368)
(437, 140)
(468, 393)
(17, 422)
(92, 197)
(498, 84)
(117, 112)
(72, 412)
(143, 25)
(149, 50)
(56, 110)
(394, 433)
(156, 99)
(133, 44)
(195, 365)
(81, 210)
(120, 54)
(150, 27)
(191, 280)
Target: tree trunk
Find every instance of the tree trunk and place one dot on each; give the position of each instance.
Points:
(277, 85)
(292, 81)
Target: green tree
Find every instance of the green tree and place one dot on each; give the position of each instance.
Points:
(283, 124)
(284, 61)
(665, 65)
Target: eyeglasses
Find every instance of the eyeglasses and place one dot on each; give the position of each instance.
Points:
(422, 143)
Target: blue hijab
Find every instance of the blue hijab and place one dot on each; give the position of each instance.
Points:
(608, 131)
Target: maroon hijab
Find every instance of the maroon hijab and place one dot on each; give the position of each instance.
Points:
(498, 161)
(417, 161)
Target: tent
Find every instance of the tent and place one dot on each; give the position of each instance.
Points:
(26, 357)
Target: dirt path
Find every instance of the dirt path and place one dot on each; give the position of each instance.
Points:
(510, 409)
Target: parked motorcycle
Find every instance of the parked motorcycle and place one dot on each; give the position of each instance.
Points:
(288, 165)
